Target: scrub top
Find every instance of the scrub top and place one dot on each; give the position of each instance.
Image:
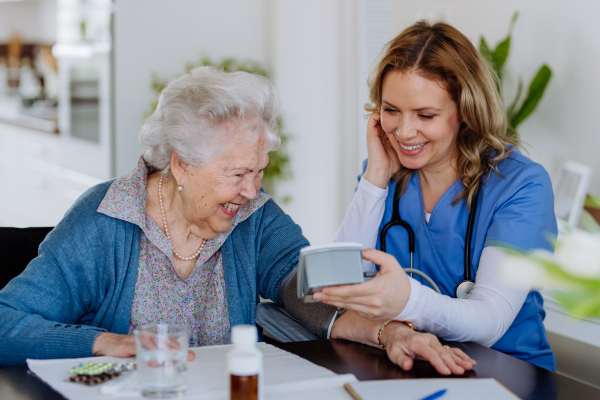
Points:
(515, 210)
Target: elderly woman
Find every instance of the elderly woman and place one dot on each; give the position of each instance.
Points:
(188, 237)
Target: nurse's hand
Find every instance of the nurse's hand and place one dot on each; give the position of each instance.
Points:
(381, 298)
(383, 159)
(115, 345)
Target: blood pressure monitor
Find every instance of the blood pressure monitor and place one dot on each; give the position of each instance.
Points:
(328, 265)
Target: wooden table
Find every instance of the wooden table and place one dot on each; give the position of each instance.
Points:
(368, 363)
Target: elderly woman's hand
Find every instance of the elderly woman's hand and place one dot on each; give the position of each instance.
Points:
(403, 345)
(115, 345)
(383, 297)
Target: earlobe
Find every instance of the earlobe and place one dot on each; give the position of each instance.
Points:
(179, 168)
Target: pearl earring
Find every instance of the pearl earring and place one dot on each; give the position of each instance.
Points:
(180, 188)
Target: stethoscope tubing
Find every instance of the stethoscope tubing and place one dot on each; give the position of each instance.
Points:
(397, 221)
(469, 235)
(424, 276)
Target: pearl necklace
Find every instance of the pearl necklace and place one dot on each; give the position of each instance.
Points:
(162, 210)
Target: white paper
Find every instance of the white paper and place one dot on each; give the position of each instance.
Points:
(286, 376)
(416, 389)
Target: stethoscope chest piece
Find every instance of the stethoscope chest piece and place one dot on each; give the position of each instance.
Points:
(463, 289)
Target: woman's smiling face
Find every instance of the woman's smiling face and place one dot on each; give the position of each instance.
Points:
(420, 118)
(215, 192)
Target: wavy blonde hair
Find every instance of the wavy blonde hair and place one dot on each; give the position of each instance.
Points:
(441, 52)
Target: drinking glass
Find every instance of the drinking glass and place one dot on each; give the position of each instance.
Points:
(161, 352)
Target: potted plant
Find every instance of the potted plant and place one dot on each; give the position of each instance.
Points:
(519, 108)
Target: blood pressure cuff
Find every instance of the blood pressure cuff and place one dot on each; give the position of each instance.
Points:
(317, 317)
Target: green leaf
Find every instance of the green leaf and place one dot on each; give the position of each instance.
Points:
(588, 222)
(592, 201)
(513, 21)
(511, 109)
(500, 53)
(555, 271)
(503, 48)
(582, 303)
(485, 51)
(534, 95)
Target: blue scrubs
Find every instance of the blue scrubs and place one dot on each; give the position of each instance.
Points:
(515, 210)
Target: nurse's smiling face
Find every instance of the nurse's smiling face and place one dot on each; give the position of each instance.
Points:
(421, 120)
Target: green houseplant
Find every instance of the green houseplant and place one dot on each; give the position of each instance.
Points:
(519, 108)
(279, 161)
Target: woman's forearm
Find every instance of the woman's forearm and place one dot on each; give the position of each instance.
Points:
(483, 318)
(363, 217)
(402, 344)
(351, 326)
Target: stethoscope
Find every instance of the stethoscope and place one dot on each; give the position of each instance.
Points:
(464, 287)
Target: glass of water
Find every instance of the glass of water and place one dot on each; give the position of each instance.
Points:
(162, 352)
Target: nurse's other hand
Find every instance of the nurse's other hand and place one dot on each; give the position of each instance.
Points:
(381, 298)
(115, 345)
(403, 345)
(383, 159)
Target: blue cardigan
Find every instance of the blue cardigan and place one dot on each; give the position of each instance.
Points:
(83, 280)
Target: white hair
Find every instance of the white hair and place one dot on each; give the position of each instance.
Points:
(192, 108)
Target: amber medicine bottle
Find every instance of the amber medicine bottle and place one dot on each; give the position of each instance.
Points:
(245, 364)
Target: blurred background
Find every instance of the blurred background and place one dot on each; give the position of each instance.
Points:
(77, 78)
(76, 81)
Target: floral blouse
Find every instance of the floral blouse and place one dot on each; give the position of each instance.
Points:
(161, 295)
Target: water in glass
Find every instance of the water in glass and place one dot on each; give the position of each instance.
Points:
(162, 360)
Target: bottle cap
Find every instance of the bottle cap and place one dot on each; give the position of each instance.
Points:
(244, 334)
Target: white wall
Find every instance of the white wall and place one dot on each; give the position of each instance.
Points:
(162, 36)
(33, 21)
(300, 42)
(564, 35)
(308, 65)
(311, 48)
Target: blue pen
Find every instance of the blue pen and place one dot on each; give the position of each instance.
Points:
(435, 395)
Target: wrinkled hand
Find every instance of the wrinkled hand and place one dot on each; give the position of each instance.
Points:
(403, 345)
(115, 345)
(383, 159)
(381, 298)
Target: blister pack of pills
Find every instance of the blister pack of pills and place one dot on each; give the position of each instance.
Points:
(91, 374)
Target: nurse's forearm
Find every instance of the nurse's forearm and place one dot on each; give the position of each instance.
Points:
(483, 318)
(362, 219)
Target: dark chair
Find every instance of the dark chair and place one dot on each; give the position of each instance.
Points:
(18, 246)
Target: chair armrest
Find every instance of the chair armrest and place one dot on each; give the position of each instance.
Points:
(275, 320)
